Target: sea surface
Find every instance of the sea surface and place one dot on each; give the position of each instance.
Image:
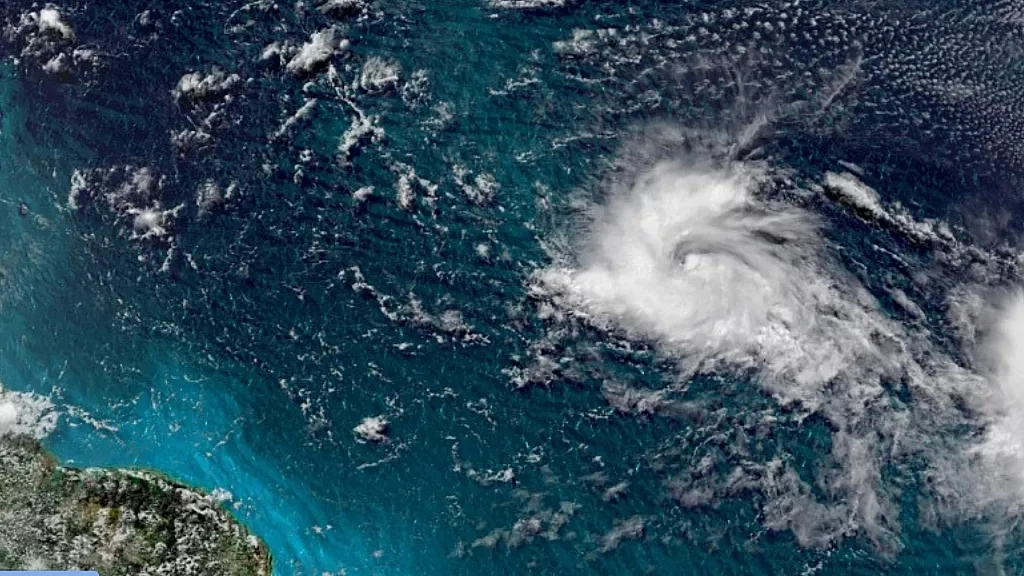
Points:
(532, 287)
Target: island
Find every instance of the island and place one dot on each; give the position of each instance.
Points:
(116, 522)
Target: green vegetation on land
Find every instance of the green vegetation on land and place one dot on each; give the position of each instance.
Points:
(117, 522)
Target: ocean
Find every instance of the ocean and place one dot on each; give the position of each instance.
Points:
(532, 287)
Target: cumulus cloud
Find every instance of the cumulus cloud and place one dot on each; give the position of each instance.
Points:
(321, 46)
(26, 413)
(196, 86)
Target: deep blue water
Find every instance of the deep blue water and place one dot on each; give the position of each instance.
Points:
(239, 350)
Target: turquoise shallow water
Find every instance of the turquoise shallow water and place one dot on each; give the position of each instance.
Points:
(239, 351)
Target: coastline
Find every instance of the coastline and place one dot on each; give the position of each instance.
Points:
(34, 233)
(115, 519)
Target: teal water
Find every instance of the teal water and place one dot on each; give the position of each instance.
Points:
(240, 351)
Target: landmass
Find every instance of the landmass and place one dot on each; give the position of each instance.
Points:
(116, 522)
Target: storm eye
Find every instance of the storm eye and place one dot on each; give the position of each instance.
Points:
(690, 255)
(690, 260)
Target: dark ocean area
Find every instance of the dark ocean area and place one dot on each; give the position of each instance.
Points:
(532, 286)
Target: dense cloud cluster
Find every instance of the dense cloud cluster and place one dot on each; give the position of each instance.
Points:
(695, 256)
(46, 40)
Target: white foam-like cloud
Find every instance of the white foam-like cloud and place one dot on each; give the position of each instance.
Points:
(26, 414)
(197, 86)
(690, 258)
(50, 19)
(1009, 348)
(1002, 355)
(695, 258)
(530, 4)
(321, 46)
